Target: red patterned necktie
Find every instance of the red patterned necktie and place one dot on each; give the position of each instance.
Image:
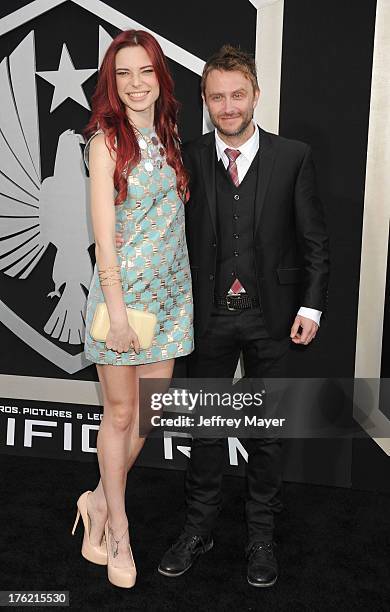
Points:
(232, 154)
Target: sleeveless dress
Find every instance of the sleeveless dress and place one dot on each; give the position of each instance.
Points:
(155, 270)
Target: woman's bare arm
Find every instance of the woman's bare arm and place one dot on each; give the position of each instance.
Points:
(101, 171)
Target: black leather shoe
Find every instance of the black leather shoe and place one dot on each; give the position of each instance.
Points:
(180, 557)
(262, 564)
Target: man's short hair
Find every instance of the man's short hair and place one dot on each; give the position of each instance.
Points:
(231, 58)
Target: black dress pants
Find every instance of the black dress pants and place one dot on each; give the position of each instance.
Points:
(216, 355)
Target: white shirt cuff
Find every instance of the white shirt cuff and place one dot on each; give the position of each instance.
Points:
(310, 313)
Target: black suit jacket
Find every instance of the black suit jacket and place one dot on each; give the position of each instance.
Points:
(290, 239)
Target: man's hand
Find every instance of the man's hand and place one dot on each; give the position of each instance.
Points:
(309, 330)
(118, 240)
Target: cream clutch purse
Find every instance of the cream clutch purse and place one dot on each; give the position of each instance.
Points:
(143, 323)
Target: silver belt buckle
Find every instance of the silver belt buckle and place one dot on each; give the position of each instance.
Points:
(229, 297)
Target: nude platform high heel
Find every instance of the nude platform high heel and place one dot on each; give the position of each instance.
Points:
(119, 576)
(95, 554)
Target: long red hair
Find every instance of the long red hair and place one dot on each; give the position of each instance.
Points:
(109, 113)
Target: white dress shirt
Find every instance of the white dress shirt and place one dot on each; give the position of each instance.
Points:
(248, 151)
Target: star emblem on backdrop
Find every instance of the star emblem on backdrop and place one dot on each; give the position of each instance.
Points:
(67, 81)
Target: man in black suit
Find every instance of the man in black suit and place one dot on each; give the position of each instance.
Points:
(259, 258)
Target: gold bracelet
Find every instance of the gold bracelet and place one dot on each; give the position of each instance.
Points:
(110, 276)
(108, 283)
(110, 269)
(108, 272)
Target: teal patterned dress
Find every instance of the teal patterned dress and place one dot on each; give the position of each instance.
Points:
(155, 270)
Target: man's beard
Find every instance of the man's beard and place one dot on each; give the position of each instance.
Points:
(246, 120)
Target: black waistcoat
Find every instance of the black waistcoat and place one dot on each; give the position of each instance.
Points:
(235, 224)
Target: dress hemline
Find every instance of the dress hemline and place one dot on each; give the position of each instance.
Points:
(115, 363)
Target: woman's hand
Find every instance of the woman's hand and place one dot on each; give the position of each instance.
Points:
(119, 242)
(121, 338)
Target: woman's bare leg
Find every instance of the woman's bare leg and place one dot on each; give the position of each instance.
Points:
(97, 505)
(159, 370)
(119, 384)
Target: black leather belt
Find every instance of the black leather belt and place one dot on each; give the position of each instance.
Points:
(236, 302)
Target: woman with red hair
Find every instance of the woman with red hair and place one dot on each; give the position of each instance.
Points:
(138, 187)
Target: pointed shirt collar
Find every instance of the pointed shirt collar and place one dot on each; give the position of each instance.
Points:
(248, 149)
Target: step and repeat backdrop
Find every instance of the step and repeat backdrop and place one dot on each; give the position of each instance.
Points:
(322, 72)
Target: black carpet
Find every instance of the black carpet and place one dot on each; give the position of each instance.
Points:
(333, 544)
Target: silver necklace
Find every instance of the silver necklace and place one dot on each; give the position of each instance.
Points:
(153, 149)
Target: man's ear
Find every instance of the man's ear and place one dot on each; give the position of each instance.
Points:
(257, 96)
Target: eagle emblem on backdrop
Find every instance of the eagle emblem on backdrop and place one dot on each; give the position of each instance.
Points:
(35, 213)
